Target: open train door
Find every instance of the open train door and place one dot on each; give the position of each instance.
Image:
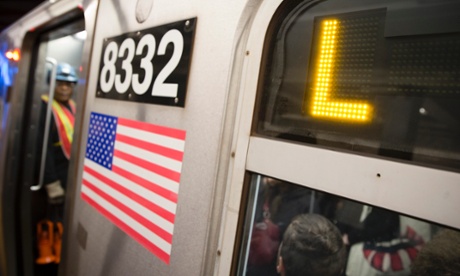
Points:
(50, 36)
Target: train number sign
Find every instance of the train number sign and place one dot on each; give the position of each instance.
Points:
(148, 66)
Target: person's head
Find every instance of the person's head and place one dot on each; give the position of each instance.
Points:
(66, 78)
(440, 256)
(311, 245)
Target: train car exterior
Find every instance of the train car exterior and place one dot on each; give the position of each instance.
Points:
(201, 124)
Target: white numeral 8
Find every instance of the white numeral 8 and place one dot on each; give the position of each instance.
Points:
(110, 57)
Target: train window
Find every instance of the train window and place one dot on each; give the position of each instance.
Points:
(380, 78)
(368, 240)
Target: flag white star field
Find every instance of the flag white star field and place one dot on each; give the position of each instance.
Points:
(131, 176)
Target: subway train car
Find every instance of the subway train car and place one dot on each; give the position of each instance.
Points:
(201, 129)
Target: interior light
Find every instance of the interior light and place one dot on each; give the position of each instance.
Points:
(13, 55)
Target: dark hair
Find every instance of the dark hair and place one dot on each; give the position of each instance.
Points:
(440, 256)
(312, 245)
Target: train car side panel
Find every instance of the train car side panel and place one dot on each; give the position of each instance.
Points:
(108, 249)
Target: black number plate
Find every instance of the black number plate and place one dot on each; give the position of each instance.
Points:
(148, 66)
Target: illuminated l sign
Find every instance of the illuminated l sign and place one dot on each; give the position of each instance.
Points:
(323, 105)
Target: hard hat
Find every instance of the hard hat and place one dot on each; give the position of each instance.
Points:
(65, 72)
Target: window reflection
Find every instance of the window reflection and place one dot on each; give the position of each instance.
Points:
(377, 241)
(366, 77)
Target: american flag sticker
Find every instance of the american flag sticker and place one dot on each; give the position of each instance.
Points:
(131, 176)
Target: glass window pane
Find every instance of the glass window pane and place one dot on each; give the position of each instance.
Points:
(368, 240)
(380, 78)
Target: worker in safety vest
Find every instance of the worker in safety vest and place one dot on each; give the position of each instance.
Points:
(50, 229)
(60, 132)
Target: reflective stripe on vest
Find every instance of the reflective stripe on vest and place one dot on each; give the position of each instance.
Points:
(64, 119)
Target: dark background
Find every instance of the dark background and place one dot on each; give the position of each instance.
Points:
(12, 10)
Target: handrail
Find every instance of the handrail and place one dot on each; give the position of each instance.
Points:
(53, 63)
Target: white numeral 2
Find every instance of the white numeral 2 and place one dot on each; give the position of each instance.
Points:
(160, 88)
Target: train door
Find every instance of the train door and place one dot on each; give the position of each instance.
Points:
(355, 117)
(57, 68)
(44, 150)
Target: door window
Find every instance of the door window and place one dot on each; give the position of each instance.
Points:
(368, 240)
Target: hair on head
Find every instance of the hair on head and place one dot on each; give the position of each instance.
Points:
(312, 245)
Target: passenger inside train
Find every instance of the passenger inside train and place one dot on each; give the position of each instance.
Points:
(311, 245)
(376, 241)
(440, 256)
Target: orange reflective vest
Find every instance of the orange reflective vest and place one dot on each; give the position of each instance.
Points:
(64, 119)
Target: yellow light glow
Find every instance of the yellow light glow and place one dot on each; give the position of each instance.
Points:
(350, 110)
(13, 55)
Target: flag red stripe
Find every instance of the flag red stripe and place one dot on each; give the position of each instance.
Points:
(171, 132)
(145, 222)
(174, 176)
(377, 261)
(172, 196)
(138, 237)
(164, 151)
(412, 252)
(367, 252)
(135, 197)
(396, 262)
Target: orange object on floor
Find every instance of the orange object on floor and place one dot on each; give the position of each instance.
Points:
(59, 229)
(45, 242)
